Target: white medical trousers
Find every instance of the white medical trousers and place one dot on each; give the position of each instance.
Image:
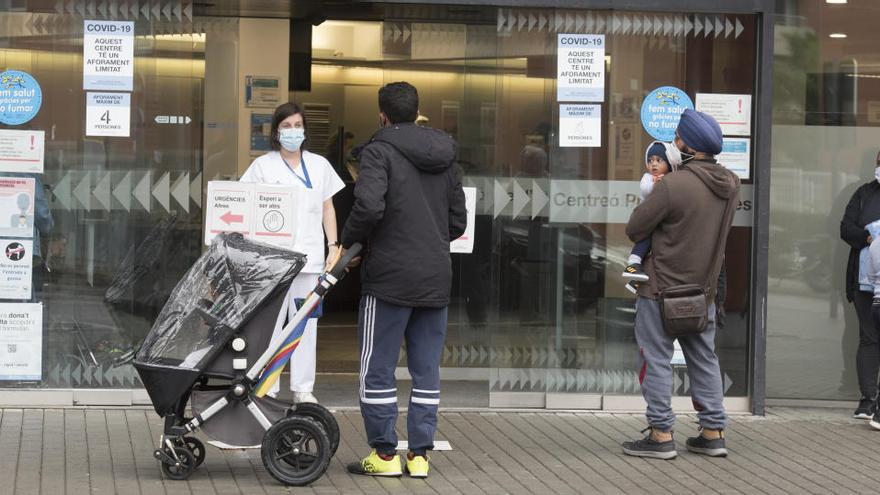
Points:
(303, 359)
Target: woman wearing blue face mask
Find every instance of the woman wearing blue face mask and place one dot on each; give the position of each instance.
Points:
(317, 182)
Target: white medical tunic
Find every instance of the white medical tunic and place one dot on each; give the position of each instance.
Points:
(309, 236)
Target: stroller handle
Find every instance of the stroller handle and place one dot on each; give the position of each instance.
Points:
(338, 270)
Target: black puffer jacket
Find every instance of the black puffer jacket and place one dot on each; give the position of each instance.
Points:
(408, 205)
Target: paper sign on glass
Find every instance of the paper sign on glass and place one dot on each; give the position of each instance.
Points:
(580, 67)
(733, 112)
(21, 341)
(22, 151)
(17, 207)
(580, 126)
(465, 243)
(263, 212)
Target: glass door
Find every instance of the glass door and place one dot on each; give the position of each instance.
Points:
(567, 172)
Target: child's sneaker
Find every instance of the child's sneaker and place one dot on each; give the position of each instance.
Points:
(417, 465)
(634, 271)
(375, 465)
(632, 287)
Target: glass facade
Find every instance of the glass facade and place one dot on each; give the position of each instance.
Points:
(825, 144)
(539, 307)
(125, 225)
(540, 316)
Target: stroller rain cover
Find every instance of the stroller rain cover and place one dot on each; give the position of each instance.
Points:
(221, 291)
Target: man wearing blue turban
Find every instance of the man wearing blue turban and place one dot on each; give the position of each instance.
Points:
(685, 216)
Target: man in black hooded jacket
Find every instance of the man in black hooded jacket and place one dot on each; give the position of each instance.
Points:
(409, 204)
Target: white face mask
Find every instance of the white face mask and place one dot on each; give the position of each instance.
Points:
(877, 174)
(674, 156)
(682, 156)
(291, 138)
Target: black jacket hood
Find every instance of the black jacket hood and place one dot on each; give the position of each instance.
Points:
(722, 182)
(430, 150)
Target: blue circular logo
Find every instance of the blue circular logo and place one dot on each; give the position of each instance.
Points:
(662, 110)
(20, 97)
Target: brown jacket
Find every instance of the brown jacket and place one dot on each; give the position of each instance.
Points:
(682, 215)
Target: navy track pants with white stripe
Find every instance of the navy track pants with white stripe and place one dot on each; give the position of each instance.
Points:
(382, 329)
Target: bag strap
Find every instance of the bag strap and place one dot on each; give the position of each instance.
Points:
(722, 237)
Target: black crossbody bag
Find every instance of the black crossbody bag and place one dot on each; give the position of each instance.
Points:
(685, 308)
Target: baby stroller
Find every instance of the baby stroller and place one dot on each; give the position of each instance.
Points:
(212, 346)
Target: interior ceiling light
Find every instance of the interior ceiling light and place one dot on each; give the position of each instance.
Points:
(835, 1)
(837, 35)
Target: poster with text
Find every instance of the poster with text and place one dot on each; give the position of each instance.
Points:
(736, 156)
(733, 112)
(580, 67)
(661, 111)
(17, 207)
(263, 212)
(580, 126)
(16, 266)
(22, 151)
(21, 341)
(465, 243)
(108, 55)
(20, 97)
(108, 114)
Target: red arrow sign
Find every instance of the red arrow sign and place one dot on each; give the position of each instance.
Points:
(229, 218)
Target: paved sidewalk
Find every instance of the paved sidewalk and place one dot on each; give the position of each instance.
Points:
(106, 451)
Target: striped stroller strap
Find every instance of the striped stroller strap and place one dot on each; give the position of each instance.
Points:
(279, 360)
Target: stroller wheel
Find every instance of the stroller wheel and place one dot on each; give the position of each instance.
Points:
(182, 470)
(320, 414)
(195, 446)
(296, 450)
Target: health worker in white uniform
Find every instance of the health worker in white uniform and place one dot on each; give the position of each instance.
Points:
(317, 182)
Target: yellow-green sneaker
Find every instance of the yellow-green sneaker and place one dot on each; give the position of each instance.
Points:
(416, 465)
(374, 465)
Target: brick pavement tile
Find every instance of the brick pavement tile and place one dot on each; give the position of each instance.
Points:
(834, 471)
(748, 444)
(504, 458)
(733, 474)
(10, 438)
(641, 472)
(826, 473)
(477, 463)
(844, 460)
(752, 467)
(568, 454)
(103, 478)
(672, 471)
(534, 455)
(142, 445)
(121, 453)
(457, 467)
(443, 464)
(558, 428)
(52, 468)
(30, 453)
(683, 468)
(76, 451)
(91, 451)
